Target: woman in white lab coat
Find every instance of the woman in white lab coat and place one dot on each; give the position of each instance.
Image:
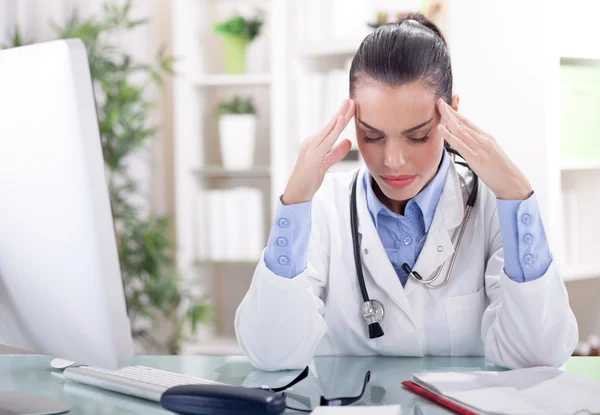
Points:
(499, 295)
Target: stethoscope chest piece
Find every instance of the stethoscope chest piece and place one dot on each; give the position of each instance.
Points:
(372, 311)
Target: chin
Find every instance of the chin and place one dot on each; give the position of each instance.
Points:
(400, 194)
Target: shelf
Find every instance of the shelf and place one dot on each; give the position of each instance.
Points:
(589, 60)
(580, 165)
(570, 274)
(345, 166)
(216, 346)
(246, 79)
(225, 262)
(218, 171)
(328, 48)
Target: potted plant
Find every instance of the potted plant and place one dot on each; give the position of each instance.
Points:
(156, 296)
(238, 32)
(237, 127)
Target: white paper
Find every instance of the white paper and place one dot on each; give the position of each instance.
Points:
(358, 410)
(537, 390)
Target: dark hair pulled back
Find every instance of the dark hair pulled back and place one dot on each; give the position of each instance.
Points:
(411, 50)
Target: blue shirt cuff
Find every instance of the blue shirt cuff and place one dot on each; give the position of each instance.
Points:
(526, 252)
(287, 248)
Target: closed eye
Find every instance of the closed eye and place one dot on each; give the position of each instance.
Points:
(421, 140)
(371, 138)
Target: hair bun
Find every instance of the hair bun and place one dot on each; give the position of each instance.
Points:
(421, 19)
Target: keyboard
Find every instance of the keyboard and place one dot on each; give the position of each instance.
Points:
(139, 381)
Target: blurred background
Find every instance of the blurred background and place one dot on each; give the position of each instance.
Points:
(203, 105)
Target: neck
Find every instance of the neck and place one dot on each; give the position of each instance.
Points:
(396, 206)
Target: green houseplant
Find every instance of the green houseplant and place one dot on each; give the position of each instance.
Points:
(153, 290)
(237, 132)
(238, 32)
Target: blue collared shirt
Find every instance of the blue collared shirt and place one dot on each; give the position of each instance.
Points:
(526, 252)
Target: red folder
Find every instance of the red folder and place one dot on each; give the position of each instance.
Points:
(439, 399)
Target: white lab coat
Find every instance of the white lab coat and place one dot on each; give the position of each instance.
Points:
(282, 323)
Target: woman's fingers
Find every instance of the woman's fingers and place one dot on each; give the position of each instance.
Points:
(454, 126)
(465, 128)
(341, 123)
(460, 146)
(331, 124)
(337, 153)
(467, 123)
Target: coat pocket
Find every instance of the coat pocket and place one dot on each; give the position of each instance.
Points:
(464, 313)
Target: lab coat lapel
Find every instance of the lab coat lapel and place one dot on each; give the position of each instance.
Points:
(375, 260)
(438, 243)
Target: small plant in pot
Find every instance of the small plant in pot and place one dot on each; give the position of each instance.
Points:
(238, 32)
(237, 126)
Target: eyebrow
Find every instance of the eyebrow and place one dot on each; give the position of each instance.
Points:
(410, 130)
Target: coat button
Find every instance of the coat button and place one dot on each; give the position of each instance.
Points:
(407, 240)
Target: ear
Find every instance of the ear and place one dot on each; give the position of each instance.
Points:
(455, 102)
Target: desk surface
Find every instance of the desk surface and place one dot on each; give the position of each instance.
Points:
(337, 376)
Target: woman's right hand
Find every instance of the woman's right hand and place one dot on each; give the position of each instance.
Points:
(315, 157)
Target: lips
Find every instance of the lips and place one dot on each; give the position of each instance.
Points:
(399, 181)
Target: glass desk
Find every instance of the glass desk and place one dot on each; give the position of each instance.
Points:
(330, 377)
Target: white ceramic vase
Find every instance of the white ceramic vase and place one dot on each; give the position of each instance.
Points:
(237, 138)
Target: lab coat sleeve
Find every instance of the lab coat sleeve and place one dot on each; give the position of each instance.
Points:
(287, 247)
(528, 323)
(526, 252)
(279, 323)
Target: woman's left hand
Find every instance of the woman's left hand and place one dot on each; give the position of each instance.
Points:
(484, 155)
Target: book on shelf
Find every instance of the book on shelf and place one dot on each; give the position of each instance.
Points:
(230, 225)
(318, 98)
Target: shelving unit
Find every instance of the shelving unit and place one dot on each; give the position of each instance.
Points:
(580, 168)
(226, 80)
(567, 165)
(218, 171)
(231, 263)
(581, 274)
(203, 83)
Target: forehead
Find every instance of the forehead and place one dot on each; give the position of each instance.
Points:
(394, 108)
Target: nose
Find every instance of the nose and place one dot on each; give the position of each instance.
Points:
(394, 155)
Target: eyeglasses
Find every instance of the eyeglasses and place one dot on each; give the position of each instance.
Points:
(323, 401)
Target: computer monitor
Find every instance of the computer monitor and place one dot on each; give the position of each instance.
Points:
(61, 291)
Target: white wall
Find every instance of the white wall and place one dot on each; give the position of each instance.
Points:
(499, 61)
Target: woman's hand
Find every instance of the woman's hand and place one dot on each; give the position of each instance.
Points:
(484, 155)
(317, 156)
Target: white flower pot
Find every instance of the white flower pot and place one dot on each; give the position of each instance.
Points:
(238, 138)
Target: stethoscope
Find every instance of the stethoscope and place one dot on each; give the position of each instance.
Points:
(372, 310)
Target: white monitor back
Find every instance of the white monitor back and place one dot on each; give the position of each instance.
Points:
(61, 291)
